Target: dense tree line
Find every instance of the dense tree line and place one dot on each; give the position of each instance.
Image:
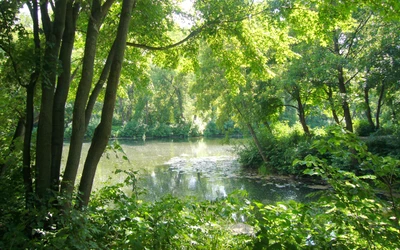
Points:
(80, 66)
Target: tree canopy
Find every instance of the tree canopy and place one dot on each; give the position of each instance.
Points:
(77, 69)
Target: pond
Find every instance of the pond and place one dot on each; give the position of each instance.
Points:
(201, 168)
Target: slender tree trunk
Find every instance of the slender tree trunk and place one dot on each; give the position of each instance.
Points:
(302, 115)
(103, 130)
(329, 92)
(99, 86)
(345, 104)
(62, 92)
(342, 90)
(81, 114)
(368, 107)
(266, 124)
(257, 142)
(79, 121)
(53, 32)
(380, 104)
(29, 108)
(26, 155)
(253, 135)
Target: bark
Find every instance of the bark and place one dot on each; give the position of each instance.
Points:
(99, 86)
(368, 107)
(19, 132)
(61, 93)
(103, 130)
(342, 89)
(257, 142)
(345, 104)
(79, 121)
(26, 155)
(254, 136)
(302, 115)
(380, 104)
(53, 32)
(29, 108)
(329, 92)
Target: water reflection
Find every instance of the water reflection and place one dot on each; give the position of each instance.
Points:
(166, 180)
(206, 169)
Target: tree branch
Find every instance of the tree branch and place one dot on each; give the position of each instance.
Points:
(358, 29)
(148, 47)
(194, 33)
(351, 78)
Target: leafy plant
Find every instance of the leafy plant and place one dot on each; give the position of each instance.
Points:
(355, 216)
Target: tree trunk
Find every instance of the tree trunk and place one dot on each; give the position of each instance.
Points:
(380, 104)
(99, 85)
(26, 155)
(302, 115)
(53, 32)
(266, 124)
(62, 92)
(329, 92)
(257, 142)
(345, 104)
(79, 121)
(29, 108)
(103, 130)
(368, 107)
(342, 90)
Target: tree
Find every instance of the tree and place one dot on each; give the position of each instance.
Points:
(62, 75)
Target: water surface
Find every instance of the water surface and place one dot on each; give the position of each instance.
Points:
(201, 168)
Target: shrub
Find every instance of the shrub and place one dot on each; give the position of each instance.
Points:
(363, 128)
(212, 130)
(160, 130)
(280, 152)
(133, 129)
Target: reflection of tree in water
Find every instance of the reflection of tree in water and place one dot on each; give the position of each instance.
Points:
(163, 181)
(210, 186)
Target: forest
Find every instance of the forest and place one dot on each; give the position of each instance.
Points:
(313, 84)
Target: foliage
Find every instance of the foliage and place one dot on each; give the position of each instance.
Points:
(348, 216)
(384, 145)
(281, 152)
(253, 59)
(134, 129)
(363, 128)
(353, 199)
(212, 130)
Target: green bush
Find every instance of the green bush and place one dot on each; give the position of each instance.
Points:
(180, 130)
(280, 152)
(133, 129)
(348, 216)
(351, 215)
(212, 130)
(159, 130)
(363, 128)
(228, 128)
